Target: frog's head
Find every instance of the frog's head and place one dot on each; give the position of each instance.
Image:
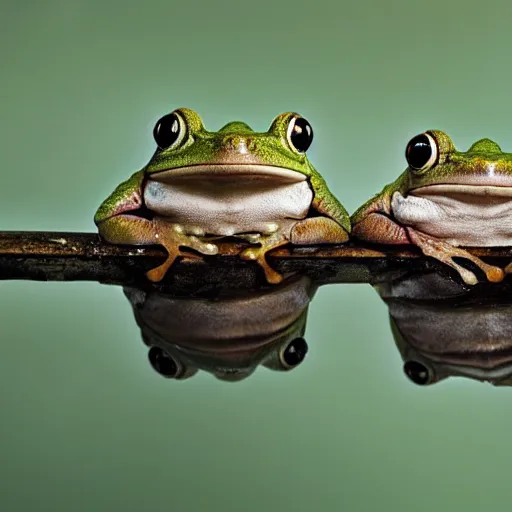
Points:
(427, 361)
(187, 150)
(229, 336)
(180, 363)
(436, 167)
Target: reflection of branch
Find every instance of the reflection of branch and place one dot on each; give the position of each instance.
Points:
(46, 256)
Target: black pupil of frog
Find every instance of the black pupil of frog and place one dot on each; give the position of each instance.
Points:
(419, 151)
(295, 352)
(301, 135)
(167, 131)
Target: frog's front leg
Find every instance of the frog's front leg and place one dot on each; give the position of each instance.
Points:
(445, 253)
(379, 228)
(318, 230)
(120, 220)
(172, 236)
(131, 230)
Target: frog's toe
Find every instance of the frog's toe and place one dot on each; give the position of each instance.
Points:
(158, 273)
(258, 254)
(173, 252)
(466, 275)
(272, 276)
(155, 275)
(206, 248)
(495, 274)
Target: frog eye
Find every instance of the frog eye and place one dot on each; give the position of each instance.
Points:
(169, 131)
(294, 353)
(418, 373)
(163, 363)
(299, 134)
(421, 152)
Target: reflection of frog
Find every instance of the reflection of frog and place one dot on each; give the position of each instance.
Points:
(227, 336)
(445, 199)
(200, 186)
(442, 329)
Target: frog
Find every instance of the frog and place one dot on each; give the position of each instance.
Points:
(203, 186)
(185, 335)
(445, 202)
(444, 329)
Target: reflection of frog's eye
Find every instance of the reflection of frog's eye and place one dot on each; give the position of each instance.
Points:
(163, 363)
(169, 131)
(294, 353)
(421, 152)
(418, 373)
(300, 134)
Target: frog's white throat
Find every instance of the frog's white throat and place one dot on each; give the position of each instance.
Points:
(462, 215)
(229, 199)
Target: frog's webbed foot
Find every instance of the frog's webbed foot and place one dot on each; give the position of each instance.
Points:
(172, 237)
(445, 253)
(267, 243)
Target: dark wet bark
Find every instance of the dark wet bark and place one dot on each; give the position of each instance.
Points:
(47, 256)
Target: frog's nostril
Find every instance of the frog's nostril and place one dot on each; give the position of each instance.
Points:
(239, 144)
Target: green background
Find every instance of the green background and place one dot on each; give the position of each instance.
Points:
(86, 424)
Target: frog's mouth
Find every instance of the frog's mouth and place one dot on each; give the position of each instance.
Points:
(458, 190)
(229, 171)
(483, 364)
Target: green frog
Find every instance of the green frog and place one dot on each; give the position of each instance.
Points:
(444, 201)
(201, 186)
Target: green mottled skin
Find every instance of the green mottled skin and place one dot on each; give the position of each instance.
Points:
(235, 143)
(114, 203)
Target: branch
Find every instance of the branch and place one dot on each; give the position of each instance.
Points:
(59, 256)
